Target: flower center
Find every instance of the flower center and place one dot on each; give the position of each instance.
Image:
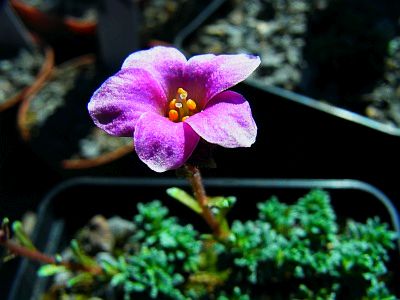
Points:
(180, 108)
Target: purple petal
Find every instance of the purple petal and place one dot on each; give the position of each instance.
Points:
(211, 74)
(226, 121)
(165, 64)
(117, 105)
(161, 144)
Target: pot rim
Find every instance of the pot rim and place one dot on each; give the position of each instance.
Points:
(24, 108)
(72, 24)
(40, 78)
(250, 183)
(313, 103)
(292, 183)
(69, 164)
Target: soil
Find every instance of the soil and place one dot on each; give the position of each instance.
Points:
(160, 18)
(59, 122)
(349, 50)
(383, 103)
(273, 29)
(49, 99)
(19, 72)
(98, 142)
(319, 48)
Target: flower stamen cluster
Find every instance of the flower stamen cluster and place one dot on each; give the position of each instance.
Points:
(181, 108)
(168, 103)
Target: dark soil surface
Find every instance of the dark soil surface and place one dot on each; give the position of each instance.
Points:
(273, 29)
(344, 53)
(383, 103)
(59, 121)
(164, 19)
(350, 51)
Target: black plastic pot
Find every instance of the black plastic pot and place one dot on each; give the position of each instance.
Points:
(71, 204)
(302, 137)
(218, 8)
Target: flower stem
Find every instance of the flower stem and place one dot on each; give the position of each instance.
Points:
(36, 255)
(195, 179)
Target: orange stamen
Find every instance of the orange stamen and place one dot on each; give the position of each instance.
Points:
(182, 93)
(180, 108)
(172, 104)
(191, 104)
(173, 115)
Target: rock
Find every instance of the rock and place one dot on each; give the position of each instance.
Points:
(266, 28)
(19, 72)
(295, 7)
(273, 60)
(374, 113)
(273, 29)
(98, 143)
(96, 236)
(121, 228)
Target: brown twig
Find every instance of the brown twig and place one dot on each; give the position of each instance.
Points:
(36, 255)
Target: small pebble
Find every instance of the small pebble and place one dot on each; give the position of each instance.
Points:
(18, 72)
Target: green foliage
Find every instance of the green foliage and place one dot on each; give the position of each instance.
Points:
(184, 198)
(80, 256)
(301, 243)
(21, 236)
(164, 252)
(311, 217)
(155, 229)
(235, 295)
(150, 273)
(50, 270)
(289, 251)
(220, 207)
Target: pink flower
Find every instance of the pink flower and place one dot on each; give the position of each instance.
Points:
(166, 103)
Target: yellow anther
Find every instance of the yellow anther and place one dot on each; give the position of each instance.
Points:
(180, 108)
(191, 104)
(172, 104)
(182, 94)
(173, 115)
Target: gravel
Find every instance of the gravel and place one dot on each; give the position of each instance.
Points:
(18, 72)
